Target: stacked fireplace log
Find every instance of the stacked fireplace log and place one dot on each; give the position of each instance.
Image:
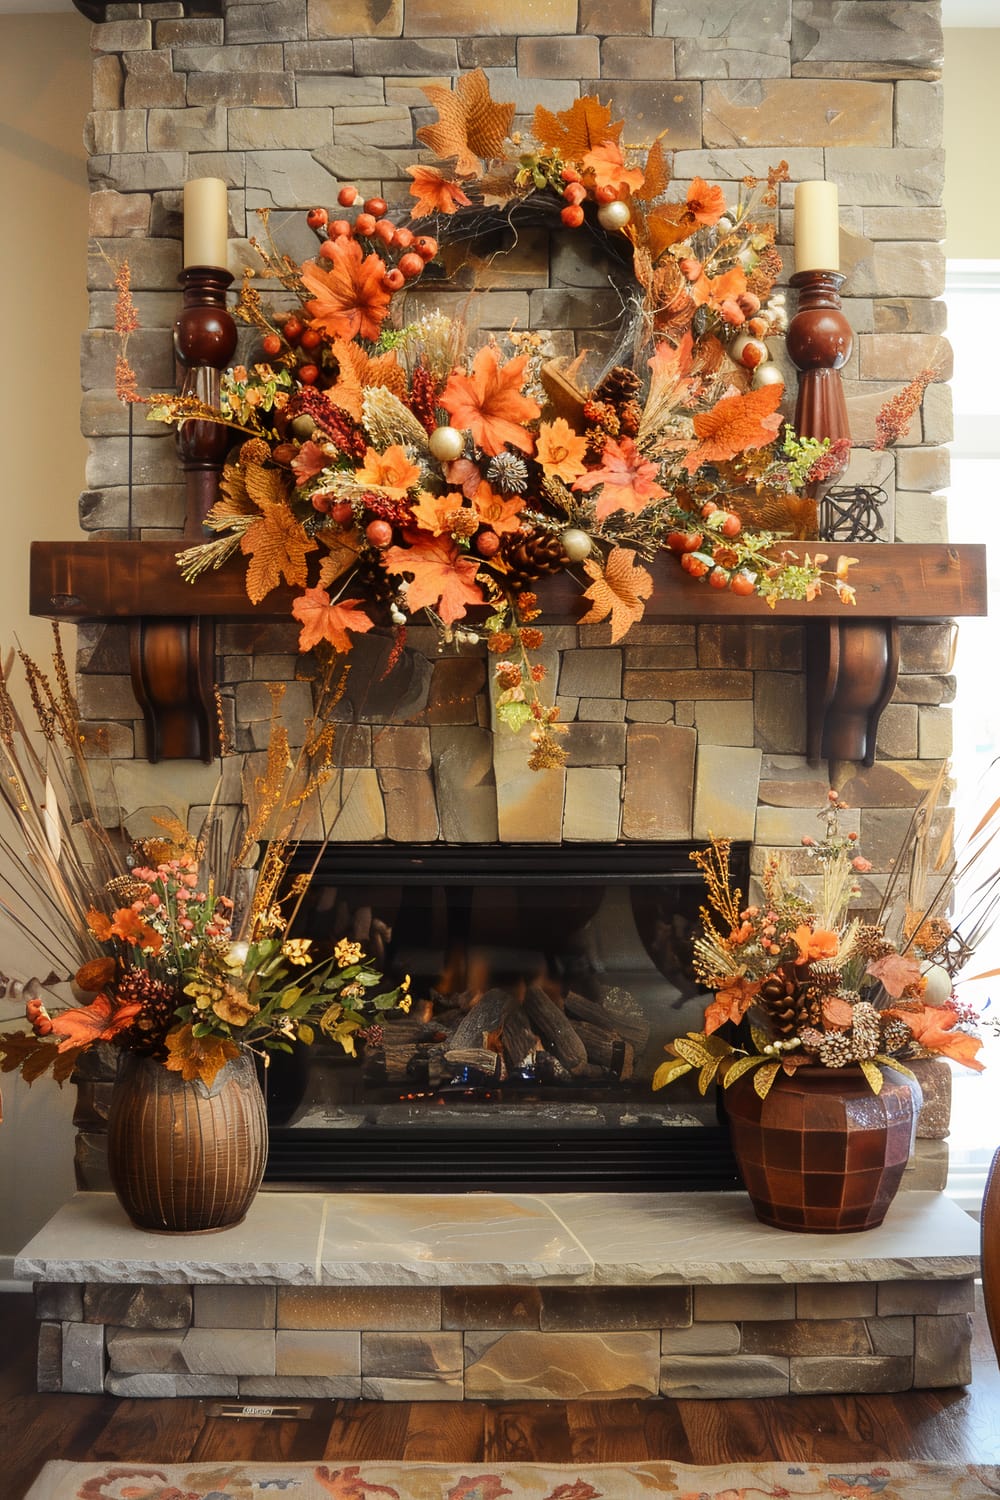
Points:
(523, 1035)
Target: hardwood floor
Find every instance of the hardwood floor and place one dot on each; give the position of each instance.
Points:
(948, 1426)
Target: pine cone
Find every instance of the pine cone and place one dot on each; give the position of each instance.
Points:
(531, 557)
(786, 1004)
(603, 415)
(631, 418)
(374, 581)
(158, 1000)
(618, 386)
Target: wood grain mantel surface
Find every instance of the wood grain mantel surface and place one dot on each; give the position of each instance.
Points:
(109, 580)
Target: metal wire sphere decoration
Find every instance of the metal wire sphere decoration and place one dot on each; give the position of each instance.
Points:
(852, 513)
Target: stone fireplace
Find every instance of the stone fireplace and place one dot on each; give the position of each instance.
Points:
(682, 730)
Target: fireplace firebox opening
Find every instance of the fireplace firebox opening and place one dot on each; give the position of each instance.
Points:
(546, 980)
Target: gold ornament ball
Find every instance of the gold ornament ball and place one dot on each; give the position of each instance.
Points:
(576, 544)
(446, 444)
(767, 374)
(614, 215)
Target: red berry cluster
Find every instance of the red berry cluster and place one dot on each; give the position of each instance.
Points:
(718, 563)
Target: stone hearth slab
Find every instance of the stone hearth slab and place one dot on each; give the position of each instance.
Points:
(715, 1238)
(399, 1239)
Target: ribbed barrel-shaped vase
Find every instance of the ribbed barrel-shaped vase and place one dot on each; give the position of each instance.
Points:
(185, 1157)
(822, 1154)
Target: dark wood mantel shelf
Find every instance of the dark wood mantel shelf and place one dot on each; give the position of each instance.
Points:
(852, 650)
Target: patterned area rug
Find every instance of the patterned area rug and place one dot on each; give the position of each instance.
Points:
(403, 1481)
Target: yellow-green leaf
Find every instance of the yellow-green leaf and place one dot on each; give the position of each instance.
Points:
(760, 1038)
(306, 1034)
(693, 1050)
(738, 1068)
(668, 1071)
(708, 1075)
(764, 1077)
(289, 996)
(874, 1075)
(894, 1062)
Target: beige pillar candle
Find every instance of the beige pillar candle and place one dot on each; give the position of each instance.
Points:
(817, 227)
(206, 222)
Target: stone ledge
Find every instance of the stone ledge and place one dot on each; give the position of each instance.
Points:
(596, 1239)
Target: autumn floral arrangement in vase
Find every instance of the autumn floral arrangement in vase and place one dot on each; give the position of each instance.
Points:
(391, 467)
(818, 1008)
(176, 950)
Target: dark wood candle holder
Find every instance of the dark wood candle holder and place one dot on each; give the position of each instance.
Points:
(173, 657)
(852, 662)
(819, 342)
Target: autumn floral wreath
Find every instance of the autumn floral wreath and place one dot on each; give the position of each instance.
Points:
(430, 475)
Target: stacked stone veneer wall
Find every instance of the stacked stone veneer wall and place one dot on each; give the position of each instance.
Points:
(503, 1343)
(682, 728)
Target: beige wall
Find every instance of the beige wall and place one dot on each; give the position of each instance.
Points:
(972, 204)
(44, 97)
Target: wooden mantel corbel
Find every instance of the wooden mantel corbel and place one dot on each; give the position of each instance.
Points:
(852, 650)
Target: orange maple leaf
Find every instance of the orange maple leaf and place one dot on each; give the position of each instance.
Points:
(358, 372)
(734, 425)
(443, 577)
(434, 193)
(670, 374)
(323, 621)
(348, 297)
(657, 174)
(731, 1003)
(99, 1021)
(575, 131)
(277, 548)
(489, 402)
(608, 166)
(471, 127)
(933, 1027)
(895, 972)
(705, 204)
(197, 1056)
(496, 511)
(391, 472)
(560, 450)
(712, 291)
(465, 474)
(666, 225)
(620, 589)
(628, 480)
(342, 553)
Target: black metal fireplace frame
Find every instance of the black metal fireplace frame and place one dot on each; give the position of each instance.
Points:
(574, 1159)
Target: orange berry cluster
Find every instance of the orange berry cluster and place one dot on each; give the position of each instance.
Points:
(414, 250)
(718, 563)
(576, 192)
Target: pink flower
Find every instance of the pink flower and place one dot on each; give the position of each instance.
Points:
(861, 864)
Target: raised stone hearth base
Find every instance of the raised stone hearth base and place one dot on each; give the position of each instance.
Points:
(493, 1297)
